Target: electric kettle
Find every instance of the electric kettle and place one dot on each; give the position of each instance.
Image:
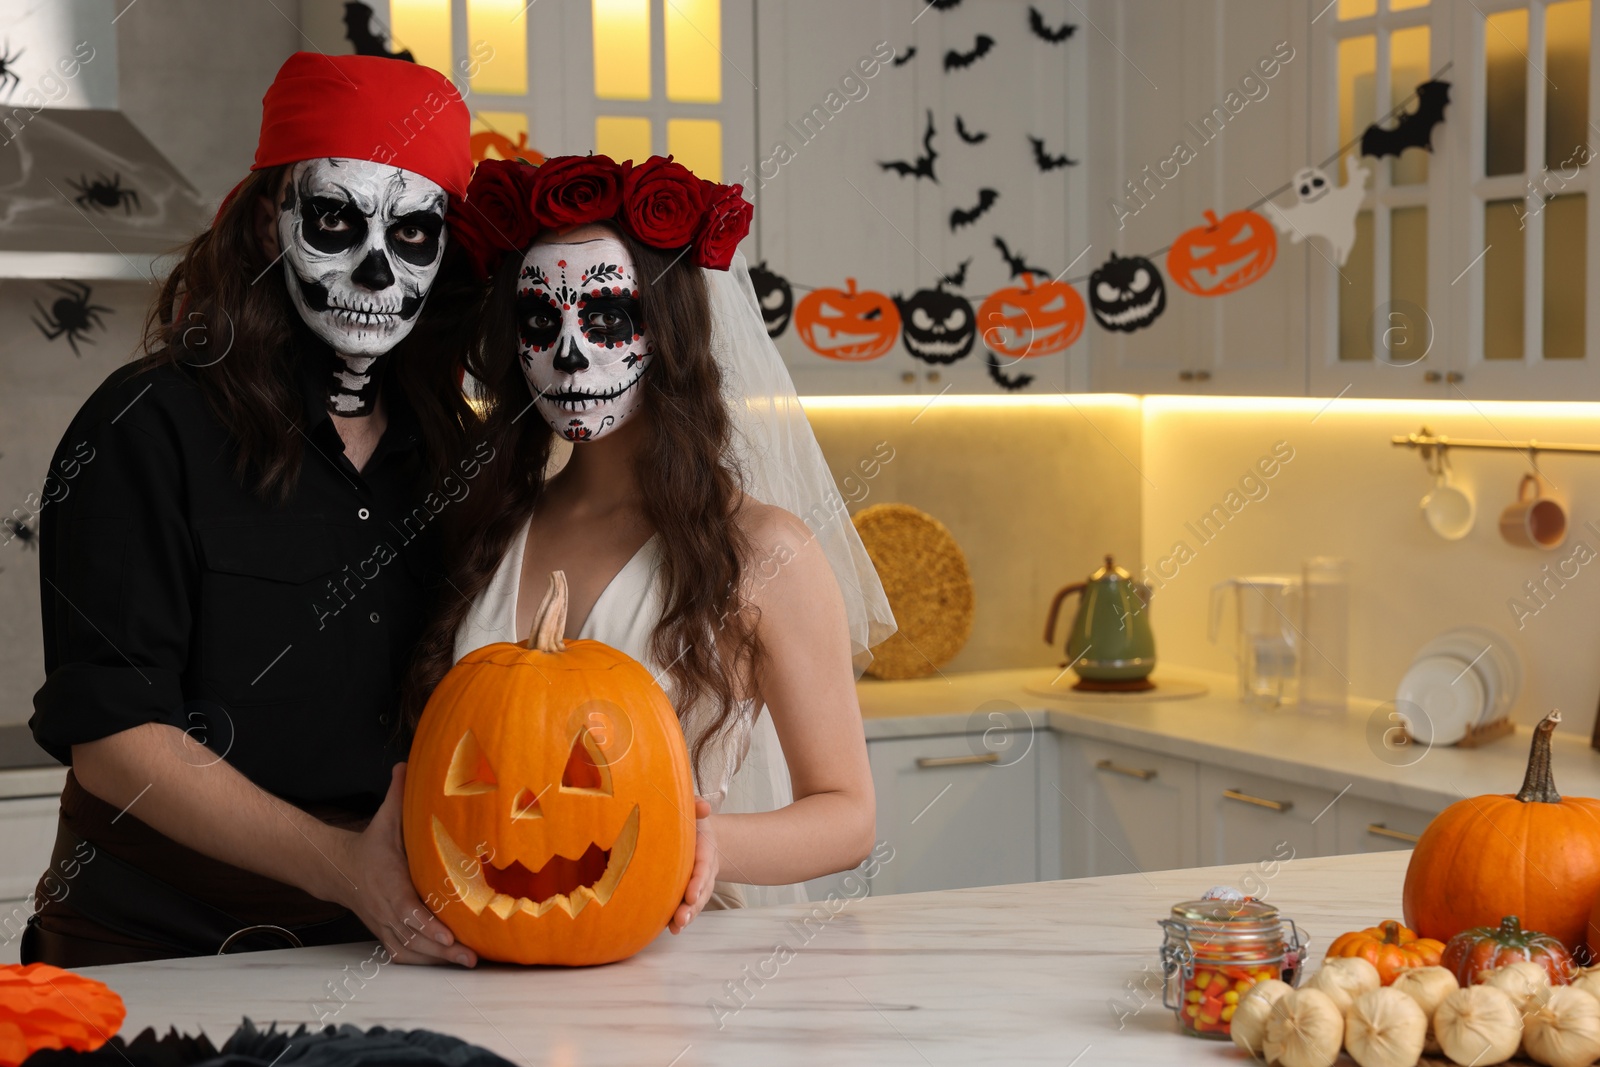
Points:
(1110, 644)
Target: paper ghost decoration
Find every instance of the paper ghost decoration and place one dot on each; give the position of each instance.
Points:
(1324, 210)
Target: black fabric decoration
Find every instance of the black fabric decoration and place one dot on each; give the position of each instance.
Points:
(1127, 294)
(1010, 384)
(967, 216)
(358, 31)
(776, 298)
(954, 60)
(105, 193)
(923, 167)
(957, 277)
(1413, 129)
(967, 136)
(71, 314)
(1019, 266)
(1044, 160)
(1055, 35)
(902, 58)
(937, 326)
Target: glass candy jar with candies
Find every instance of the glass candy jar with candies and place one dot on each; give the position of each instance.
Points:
(1215, 950)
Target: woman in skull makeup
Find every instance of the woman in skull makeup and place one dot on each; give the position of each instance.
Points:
(677, 515)
(241, 569)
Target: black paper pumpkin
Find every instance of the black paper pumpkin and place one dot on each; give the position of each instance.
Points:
(936, 326)
(1127, 294)
(776, 297)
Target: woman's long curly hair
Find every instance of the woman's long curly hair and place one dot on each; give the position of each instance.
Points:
(690, 487)
(224, 313)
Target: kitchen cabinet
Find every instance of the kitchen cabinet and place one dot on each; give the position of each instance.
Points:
(1254, 819)
(958, 810)
(1372, 826)
(1124, 809)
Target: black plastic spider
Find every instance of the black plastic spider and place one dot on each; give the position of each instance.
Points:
(71, 314)
(9, 79)
(22, 533)
(104, 193)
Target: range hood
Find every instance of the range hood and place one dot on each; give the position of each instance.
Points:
(83, 194)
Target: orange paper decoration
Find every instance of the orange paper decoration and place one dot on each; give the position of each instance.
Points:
(45, 1007)
(1033, 320)
(847, 325)
(1224, 255)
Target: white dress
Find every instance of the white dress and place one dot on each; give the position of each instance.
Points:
(747, 773)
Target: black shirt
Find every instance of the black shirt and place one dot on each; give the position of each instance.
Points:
(275, 635)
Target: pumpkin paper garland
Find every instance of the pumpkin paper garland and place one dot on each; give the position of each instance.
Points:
(847, 325)
(775, 296)
(548, 810)
(1030, 320)
(1127, 293)
(1224, 255)
(937, 326)
(1324, 210)
(45, 1007)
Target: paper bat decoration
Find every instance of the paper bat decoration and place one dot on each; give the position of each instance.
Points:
(958, 277)
(1323, 210)
(954, 60)
(967, 135)
(1010, 384)
(358, 31)
(1413, 129)
(902, 58)
(1019, 265)
(1055, 35)
(1044, 160)
(967, 216)
(943, 5)
(923, 166)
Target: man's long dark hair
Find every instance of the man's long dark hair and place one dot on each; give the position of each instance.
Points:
(690, 491)
(224, 312)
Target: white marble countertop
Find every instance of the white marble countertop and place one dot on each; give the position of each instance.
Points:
(1329, 751)
(1021, 974)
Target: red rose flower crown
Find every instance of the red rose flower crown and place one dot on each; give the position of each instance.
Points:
(659, 203)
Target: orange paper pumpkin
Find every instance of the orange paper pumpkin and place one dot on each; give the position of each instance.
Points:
(549, 807)
(1224, 255)
(846, 325)
(45, 1007)
(1031, 320)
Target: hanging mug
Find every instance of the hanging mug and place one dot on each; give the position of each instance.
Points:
(1448, 508)
(1538, 520)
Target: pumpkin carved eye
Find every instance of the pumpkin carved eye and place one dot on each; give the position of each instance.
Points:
(587, 770)
(470, 772)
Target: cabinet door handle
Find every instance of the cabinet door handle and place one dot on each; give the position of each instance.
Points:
(927, 762)
(1260, 802)
(1141, 773)
(1377, 829)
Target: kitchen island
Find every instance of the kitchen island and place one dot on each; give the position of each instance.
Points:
(1056, 973)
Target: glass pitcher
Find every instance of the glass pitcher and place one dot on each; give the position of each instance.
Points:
(1267, 609)
(1325, 635)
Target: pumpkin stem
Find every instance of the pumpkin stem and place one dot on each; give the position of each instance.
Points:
(550, 621)
(1538, 786)
(1391, 932)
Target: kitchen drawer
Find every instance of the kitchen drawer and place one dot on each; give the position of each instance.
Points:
(27, 833)
(1255, 820)
(1124, 809)
(1373, 826)
(955, 813)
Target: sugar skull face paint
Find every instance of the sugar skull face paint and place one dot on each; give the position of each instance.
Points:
(362, 243)
(582, 335)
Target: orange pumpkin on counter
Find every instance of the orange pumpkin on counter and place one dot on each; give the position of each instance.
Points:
(1535, 854)
(1389, 947)
(1473, 953)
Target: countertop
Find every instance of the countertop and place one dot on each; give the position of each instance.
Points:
(1332, 751)
(1020, 974)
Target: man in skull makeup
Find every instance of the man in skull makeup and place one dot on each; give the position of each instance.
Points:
(242, 568)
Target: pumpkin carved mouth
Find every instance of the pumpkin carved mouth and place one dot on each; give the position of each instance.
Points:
(570, 884)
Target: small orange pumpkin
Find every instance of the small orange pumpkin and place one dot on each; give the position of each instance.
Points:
(549, 807)
(1031, 320)
(1534, 854)
(45, 1007)
(1473, 953)
(846, 325)
(1390, 947)
(1223, 256)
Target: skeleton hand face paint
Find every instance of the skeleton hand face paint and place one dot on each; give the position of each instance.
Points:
(583, 339)
(361, 243)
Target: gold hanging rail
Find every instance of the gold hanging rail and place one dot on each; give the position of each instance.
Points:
(1426, 440)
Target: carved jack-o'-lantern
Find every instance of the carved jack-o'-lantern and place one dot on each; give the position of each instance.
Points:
(776, 297)
(937, 326)
(844, 324)
(548, 810)
(1033, 320)
(1224, 255)
(1126, 294)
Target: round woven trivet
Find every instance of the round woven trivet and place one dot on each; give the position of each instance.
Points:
(925, 577)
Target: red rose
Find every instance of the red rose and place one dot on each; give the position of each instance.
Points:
(572, 190)
(727, 221)
(662, 203)
(494, 218)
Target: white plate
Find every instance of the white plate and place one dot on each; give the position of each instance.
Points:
(1439, 697)
(1493, 657)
